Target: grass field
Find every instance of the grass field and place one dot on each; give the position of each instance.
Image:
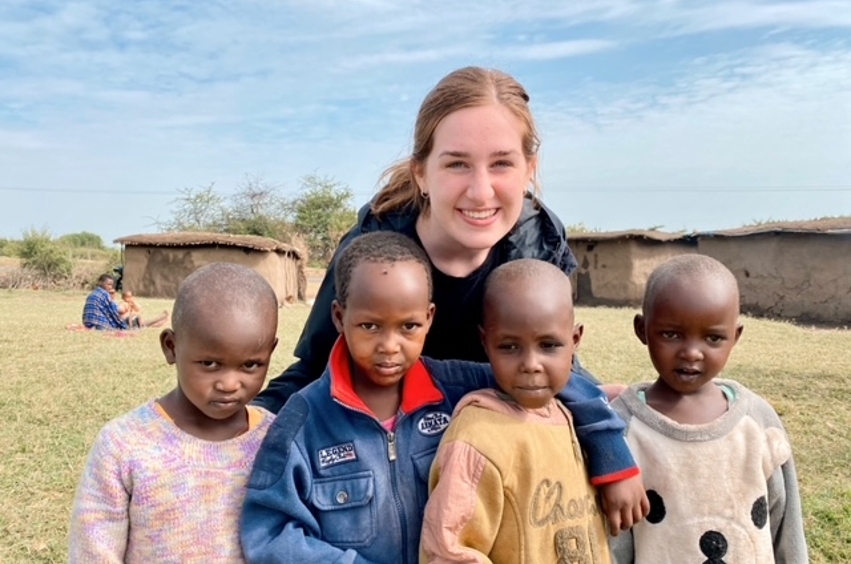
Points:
(58, 387)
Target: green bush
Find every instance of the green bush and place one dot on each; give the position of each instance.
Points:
(100, 255)
(41, 253)
(83, 239)
(9, 248)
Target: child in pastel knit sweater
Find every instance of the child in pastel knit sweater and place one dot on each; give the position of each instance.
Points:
(165, 482)
(506, 486)
(716, 460)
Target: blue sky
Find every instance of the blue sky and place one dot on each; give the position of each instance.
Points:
(682, 115)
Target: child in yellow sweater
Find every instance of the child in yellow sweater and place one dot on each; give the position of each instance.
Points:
(505, 485)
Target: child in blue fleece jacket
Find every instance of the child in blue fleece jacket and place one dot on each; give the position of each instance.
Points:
(342, 475)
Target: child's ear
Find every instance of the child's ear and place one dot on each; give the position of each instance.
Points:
(337, 311)
(430, 315)
(639, 328)
(167, 345)
(578, 331)
(739, 329)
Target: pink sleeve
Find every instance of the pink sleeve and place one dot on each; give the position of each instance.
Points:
(464, 509)
(99, 521)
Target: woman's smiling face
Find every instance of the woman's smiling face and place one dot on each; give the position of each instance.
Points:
(475, 178)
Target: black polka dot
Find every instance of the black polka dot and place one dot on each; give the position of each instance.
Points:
(759, 512)
(657, 507)
(713, 545)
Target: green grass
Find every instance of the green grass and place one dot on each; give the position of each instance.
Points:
(58, 387)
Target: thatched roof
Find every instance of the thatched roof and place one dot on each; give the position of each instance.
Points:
(650, 235)
(827, 225)
(201, 238)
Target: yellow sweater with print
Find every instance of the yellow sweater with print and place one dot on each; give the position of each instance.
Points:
(509, 485)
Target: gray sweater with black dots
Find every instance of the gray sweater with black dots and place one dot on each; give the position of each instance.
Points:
(725, 491)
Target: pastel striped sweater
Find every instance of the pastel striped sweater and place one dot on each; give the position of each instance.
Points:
(152, 493)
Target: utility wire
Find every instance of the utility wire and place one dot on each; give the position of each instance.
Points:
(594, 189)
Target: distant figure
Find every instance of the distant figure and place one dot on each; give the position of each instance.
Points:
(131, 311)
(132, 307)
(103, 313)
(100, 311)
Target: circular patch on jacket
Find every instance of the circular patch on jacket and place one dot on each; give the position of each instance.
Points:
(433, 423)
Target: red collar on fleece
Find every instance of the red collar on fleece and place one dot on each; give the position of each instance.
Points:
(418, 388)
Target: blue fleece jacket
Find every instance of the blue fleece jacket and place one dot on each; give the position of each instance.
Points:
(331, 485)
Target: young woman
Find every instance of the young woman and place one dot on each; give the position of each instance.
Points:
(468, 195)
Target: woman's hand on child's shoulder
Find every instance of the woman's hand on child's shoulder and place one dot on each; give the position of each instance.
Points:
(625, 503)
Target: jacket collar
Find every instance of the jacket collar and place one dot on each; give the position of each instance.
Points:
(418, 387)
(538, 233)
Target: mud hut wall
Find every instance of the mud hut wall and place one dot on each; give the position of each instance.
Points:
(158, 271)
(135, 265)
(293, 280)
(802, 276)
(613, 272)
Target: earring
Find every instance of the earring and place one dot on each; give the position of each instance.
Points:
(424, 194)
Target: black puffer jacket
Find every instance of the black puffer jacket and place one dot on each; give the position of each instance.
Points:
(454, 332)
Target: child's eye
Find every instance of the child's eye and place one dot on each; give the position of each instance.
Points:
(670, 335)
(409, 327)
(368, 326)
(715, 339)
(252, 365)
(209, 364)
(508, 347)
(551, 345)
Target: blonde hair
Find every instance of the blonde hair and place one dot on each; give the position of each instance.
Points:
(464, 88)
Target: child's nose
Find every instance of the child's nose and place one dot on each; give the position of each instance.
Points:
(531, 363)
(691, 351)
(228, 382)
(389, 343)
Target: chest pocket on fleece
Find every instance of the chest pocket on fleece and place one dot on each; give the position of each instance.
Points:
(346, 509)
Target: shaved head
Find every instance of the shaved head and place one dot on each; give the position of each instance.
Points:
(686, 269)
(222, 287)
(515, 276)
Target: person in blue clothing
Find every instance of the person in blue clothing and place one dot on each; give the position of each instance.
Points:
(100, 311)
(342, 474)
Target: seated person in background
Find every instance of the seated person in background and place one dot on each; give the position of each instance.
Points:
(130, 309)
(103, 313)
(509, 482)
(100, 311)
(128, 300)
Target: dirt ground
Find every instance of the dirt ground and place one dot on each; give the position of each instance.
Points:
(10, 262)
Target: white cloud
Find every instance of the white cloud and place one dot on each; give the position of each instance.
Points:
(737, 15)
(557, 49)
